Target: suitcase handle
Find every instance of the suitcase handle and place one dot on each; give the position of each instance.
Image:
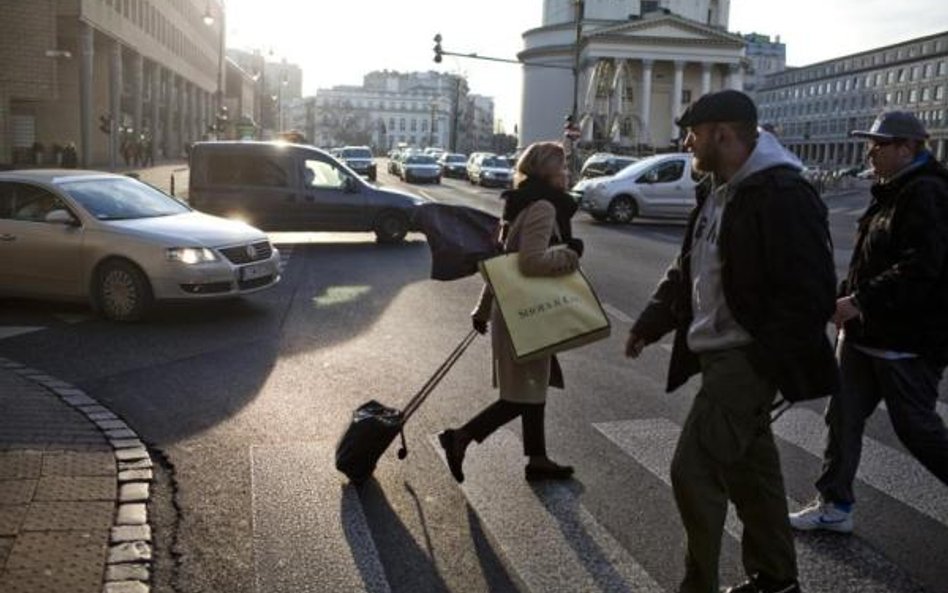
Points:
(436, 378)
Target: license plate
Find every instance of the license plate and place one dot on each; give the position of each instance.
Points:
(254, 271)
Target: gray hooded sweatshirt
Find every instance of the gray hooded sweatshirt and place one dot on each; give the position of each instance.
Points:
(713, 326)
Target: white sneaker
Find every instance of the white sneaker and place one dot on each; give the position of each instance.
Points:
(822, 515)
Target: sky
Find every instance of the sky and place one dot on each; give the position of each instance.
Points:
(337, 42)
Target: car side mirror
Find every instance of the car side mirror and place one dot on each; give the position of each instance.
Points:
(350, 186)
(61, 217)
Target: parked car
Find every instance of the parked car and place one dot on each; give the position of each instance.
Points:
(121, 244)
(603, 164)
(393, 159)
(286, 187)
(453, 165)
(473, 160)
(658, 186)
(492, 170)
(359, 159)
(420, 167)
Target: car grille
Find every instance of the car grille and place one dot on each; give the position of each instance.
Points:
(239, 255)
(255, 283)
(207, 288)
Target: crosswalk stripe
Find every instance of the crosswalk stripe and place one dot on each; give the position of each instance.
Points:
(617, 314)
(298, 517)
(552, 542)
(848, 565)
(894, 473)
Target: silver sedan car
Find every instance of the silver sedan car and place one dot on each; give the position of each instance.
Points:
(121, 244)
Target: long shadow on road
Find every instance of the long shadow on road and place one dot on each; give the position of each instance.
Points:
(188, 367)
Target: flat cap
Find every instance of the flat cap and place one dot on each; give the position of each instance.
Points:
(721, 106)
(892, 125)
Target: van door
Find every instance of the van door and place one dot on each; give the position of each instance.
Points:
(333, 200)
(257, 185)
(667, 190)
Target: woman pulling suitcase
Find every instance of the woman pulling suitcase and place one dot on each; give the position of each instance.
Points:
(536, 223)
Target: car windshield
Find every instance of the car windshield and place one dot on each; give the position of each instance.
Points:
(121, 199)
(420, 160)
(496, 162)
(356, 153)
(455, 158)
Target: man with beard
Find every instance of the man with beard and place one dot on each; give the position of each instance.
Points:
(892, 308)
(749, 297)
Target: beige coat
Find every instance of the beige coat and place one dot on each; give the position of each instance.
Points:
(529, 235)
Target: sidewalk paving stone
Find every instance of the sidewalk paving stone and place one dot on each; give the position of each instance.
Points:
(72, 463)
(55, 561)
(75, 488)
(62, 516)
(16, 491)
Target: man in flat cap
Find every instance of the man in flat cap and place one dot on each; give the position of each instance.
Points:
(749, 297)
(893, 311)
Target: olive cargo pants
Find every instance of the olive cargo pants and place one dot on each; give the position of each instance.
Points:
(726, 451)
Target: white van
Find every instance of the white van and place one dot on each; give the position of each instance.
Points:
(660, 186)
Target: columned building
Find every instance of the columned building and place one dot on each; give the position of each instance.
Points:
(640, 64)
(148, 67)
(813, 108)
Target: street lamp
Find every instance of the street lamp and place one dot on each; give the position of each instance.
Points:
(209, 21)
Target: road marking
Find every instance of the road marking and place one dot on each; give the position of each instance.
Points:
(894, 473)
(550, 540)
(309, 531)
(844, 564)
(425, 194)
(617, 314)
(17, 330)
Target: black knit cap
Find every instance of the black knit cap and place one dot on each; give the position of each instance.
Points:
(729, 105)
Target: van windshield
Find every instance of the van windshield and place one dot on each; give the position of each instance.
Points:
(356, 153)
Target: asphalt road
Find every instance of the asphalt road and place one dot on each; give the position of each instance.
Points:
(246, 400)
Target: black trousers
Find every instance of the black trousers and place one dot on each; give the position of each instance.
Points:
(909, 388)
(501, 412)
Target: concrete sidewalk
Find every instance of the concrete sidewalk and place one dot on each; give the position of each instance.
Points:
(74, 487)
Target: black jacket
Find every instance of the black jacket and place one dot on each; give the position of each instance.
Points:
(899, 268)
(779, 282)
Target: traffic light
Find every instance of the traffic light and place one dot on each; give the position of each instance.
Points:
(437, 49)
(105, 124)
(221, 119)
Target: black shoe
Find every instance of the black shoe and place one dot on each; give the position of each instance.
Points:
(762, 584)
(453, 452)
(548, 471)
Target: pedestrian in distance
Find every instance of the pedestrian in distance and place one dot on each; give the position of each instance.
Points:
(892, 312)
(749, 298)
(535, 222)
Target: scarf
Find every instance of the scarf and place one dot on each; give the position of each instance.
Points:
(532, 190)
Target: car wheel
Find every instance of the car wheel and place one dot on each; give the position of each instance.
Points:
(438, 180)
(622, 209)
(121, 291)
(391, 227)
(372, 177)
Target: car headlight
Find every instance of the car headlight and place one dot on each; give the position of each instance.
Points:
(191, 255)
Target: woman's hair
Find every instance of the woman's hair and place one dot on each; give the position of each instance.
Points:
(540, 160)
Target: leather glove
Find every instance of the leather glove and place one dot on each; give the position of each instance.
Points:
(480, 326)
(576, 245)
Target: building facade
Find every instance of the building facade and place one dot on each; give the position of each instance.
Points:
(390, 108)
(814, 108)
(143, 67)
(766, 57)
(640, 64)
(482, 130)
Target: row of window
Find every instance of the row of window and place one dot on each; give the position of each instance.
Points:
(856, 102)
(154, 23)
(379, 104)
(842, 126)
(871, 80)
(923, 48)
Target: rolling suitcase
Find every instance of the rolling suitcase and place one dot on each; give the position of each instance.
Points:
(374, 426)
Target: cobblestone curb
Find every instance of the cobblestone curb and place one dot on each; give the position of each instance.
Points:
(128, 567)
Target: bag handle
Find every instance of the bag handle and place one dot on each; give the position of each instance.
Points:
(438, 375)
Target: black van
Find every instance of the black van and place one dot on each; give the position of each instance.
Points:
(277, 186)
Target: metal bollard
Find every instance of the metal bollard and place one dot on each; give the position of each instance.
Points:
(172, 184)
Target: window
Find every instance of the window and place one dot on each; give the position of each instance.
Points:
(664, 173)
(926, 94)
(928, 70)
(942, 68)
(248, 169)
(414, 125)
(26, 202)
(913, 96)
(323, 174)
(916, 72)
(401, 125)
(890, 77)
(898, 97)
(939, 93)
(902, 75)
(686, 96)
